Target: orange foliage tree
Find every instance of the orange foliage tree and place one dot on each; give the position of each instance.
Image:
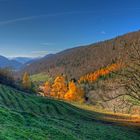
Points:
(46, 89)
(60, 90)
(74, 93)
(92, 77)
(59, 87)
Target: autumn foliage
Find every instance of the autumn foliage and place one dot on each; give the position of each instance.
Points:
(59, 87)
(92, 77)
(71, 91)
(61, 90)
(26, 82)
(46, 88)
(74, 93)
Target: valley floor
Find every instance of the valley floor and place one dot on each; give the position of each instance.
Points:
(118, 118)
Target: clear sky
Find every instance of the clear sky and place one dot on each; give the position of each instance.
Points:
(38, 27)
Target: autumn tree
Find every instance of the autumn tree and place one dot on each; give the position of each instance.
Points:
(92, 77)
(46, 88)
(60, 90)
(131, 75)
(59, 87)
(74, 93)
(26, 82)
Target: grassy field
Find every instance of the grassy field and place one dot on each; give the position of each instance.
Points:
(41, 77)
(119, 118)
(27, 117)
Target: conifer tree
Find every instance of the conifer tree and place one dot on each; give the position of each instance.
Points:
(26, 82)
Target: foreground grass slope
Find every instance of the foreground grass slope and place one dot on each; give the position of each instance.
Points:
(26, 117)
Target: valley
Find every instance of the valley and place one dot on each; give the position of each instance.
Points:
(69, 70)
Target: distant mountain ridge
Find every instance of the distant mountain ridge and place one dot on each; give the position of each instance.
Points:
(22, 60)
(16, 63)
(5, 62)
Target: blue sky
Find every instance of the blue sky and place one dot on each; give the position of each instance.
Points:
(38, 27)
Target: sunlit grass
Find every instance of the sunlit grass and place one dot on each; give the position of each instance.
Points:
(126, 119)
(41, 77)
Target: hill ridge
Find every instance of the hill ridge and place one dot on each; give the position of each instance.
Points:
(76, 62)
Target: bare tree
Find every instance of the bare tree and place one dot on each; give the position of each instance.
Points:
(131, 74)
(125, 88)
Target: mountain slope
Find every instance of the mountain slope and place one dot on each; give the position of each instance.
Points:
(82, 60)
(5, 62)
(22, 60)
(24, 116)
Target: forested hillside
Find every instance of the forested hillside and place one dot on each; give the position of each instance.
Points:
(79, 61)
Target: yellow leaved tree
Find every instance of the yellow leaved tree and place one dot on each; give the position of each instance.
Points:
(26, 82)
(59, 87)
(74, 93)
(47, 89)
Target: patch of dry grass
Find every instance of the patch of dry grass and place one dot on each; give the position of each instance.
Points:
(120, 118)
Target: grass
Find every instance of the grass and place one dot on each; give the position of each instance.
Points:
(124, 119)
(41, 77)
(28, 117)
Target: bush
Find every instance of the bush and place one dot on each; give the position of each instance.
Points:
(6, 77)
